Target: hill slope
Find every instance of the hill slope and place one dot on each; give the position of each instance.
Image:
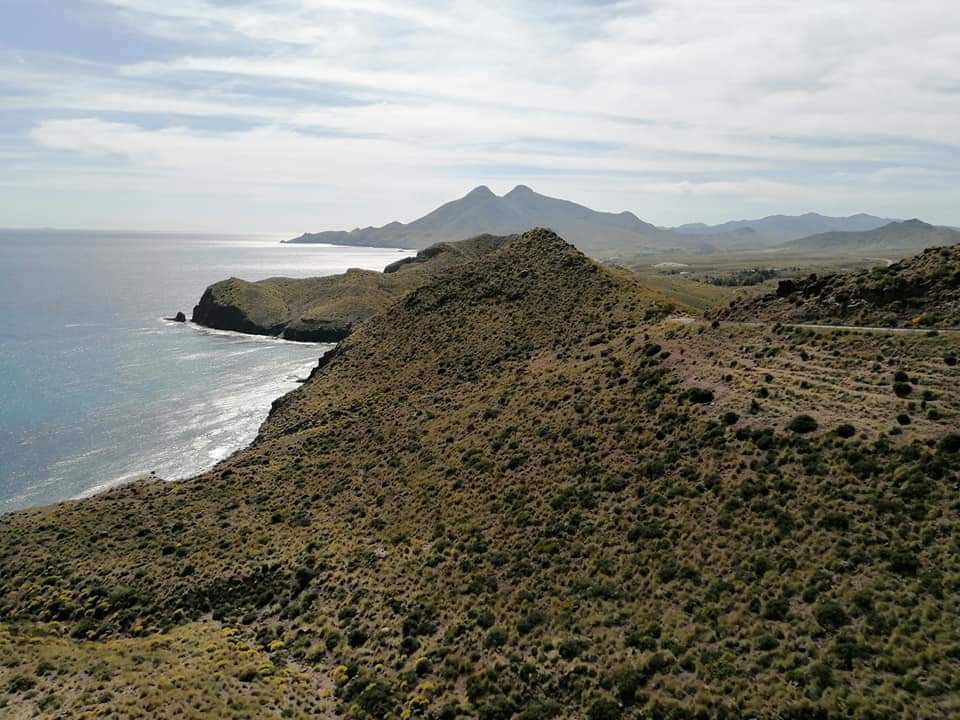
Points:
(922, 290)
(481, 211)
(781, 228)
(325, 309)
(521, 492)
(907, 235)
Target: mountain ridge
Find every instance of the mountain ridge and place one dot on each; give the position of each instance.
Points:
(783, 228)
(481, 211)
(898, 235)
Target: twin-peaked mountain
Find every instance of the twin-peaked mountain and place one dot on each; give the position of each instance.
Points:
(483, 212)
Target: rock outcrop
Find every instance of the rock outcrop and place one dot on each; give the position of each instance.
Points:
(921, 291)
(326, 309)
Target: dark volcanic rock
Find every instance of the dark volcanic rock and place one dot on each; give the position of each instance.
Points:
(317, 330)
(180, 317)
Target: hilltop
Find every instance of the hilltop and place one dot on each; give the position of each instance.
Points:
(325, 309)
(526, 490)
(923, 290)
(909, 235)
(481, 211)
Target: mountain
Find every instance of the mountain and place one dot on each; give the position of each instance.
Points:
(525, 490)
(481, 211)
(921, 291)
(906, 235)
(782, 228)
(325, 309)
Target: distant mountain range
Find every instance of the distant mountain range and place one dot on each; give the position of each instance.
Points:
(907, 235)
(610, 234)
(783, 228)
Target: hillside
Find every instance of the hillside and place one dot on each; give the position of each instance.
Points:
(525, 491)
(481, 211)
(325, 309)
(782, 228)
(907, 235)
(923, 290)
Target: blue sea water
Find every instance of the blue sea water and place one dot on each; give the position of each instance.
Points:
(97, 388)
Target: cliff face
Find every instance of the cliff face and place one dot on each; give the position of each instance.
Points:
(327, 309)
(923, 291)
(521, 492)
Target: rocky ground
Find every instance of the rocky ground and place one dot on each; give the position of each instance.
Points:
(921, 291)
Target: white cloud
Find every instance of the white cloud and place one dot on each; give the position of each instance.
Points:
(734, 105)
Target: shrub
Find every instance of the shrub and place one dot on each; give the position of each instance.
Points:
(950, 359)
(700, 395)
(831, 615)
(604, 710)
(901, 376)
(802, 424)
(950, 443)
(904, 562)
(357, 637)
(846, 431)
(730, 418)
(776, 610)
(902, 389)
(20, 683)
(571, 648)
(496, 638)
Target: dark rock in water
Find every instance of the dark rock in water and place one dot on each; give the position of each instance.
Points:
(180, 317)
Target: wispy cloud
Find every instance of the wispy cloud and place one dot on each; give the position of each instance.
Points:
(337, 112)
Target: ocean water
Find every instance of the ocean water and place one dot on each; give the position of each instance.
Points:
(97, 388)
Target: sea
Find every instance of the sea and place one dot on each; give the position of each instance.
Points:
(98, 388)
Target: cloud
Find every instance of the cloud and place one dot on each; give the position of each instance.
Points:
(733, 106)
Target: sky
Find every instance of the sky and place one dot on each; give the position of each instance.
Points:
(301, 115)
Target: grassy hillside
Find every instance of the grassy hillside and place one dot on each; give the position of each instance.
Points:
(921, 291)
(325, 309)
(523, 491)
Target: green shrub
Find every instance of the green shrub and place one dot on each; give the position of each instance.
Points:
(845, 431)
(902, 389)
(831, 615)
(700, 395)
(950, 443)
(496, 638)
(802, 424)
(604, 710)
(20, 683)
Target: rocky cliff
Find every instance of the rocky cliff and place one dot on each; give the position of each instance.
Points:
(326, 309)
